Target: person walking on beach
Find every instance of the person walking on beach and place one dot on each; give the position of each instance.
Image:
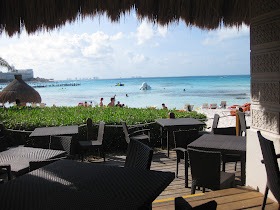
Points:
(164, 107)
(101, 102)
(112, 103)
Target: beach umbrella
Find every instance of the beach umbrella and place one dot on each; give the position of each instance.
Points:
(45, 15)
(18, 89)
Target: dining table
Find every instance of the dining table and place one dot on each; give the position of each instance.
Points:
(226, 144)
(171, 124)
(69, 184)
(55, 131)
(19, 157)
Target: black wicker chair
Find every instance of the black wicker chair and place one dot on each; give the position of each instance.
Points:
(6, 169)
(243, 126)
(134, 132)
(214, 125)
(65, 143)
(231, 131)
(86, 145)
(182, 204)
(182, 139)
(139, 155)
(272, 168)
(205, 170)
(33, 165)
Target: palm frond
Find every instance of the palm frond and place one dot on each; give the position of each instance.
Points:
(4, 63)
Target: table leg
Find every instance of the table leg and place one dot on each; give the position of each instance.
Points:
(161, 137)
(243, 169)
(167, 142)
(50, 142)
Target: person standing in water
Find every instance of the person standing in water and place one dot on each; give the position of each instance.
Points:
(101, 102)
(112, 103)
(164, 107)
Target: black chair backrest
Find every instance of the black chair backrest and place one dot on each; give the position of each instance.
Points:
(242, 122)
(90, 132)
(2, 128)
(139, 155)
(225, 131)
(101, 131)
(215, 122)
(205, 168)
(125, 130)
(65, 143)
(271, 166)
(184, 137)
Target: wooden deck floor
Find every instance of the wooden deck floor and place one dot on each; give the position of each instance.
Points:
(235, 198)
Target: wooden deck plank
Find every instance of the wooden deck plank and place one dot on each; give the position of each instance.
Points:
(227, 200)
(223, 193)
(242, 204)
(271, 206)
(234, 198)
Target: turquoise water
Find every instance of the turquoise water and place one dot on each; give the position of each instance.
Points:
(168, 90)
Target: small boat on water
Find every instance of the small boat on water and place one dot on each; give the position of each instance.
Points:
(119, 84)
(145, 86)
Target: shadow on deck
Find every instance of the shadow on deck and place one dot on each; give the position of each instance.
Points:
(234, 198)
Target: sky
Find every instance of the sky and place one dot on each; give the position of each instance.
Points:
(95, 47)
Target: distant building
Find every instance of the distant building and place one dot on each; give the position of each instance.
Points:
(27, 74)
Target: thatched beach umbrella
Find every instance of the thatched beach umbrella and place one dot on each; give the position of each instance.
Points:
(18, 89)
(46, 15)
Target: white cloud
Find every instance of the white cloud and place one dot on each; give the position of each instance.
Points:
(223, 34)
(117, 36)
(162, 30)
(50, 55)
(98, 45)
(138, 58)
(144, 32)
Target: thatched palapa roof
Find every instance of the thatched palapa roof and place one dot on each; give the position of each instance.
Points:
(18, 89)
(37, 15)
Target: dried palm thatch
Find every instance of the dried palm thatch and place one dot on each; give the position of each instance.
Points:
(18, 89)
(45, 15)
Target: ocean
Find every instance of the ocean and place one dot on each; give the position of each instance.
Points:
(169, 90)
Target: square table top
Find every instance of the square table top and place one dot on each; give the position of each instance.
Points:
(52, 131)
(220, 142)
(19, 157)
(172, 122)
(68, 184)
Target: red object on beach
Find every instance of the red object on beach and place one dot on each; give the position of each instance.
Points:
(234, 106)
(233, 113)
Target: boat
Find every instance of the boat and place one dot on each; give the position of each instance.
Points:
(119, 84)
(145, 86)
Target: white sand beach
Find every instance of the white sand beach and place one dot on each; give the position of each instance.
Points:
(224, 121)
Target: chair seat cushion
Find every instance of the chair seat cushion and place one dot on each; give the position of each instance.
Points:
(227, 180)
(89, 143)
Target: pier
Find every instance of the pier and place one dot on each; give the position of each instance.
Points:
(55, 85)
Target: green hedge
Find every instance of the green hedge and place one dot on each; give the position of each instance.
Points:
(29, 118)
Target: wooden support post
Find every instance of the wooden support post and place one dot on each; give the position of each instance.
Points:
(237, 123)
